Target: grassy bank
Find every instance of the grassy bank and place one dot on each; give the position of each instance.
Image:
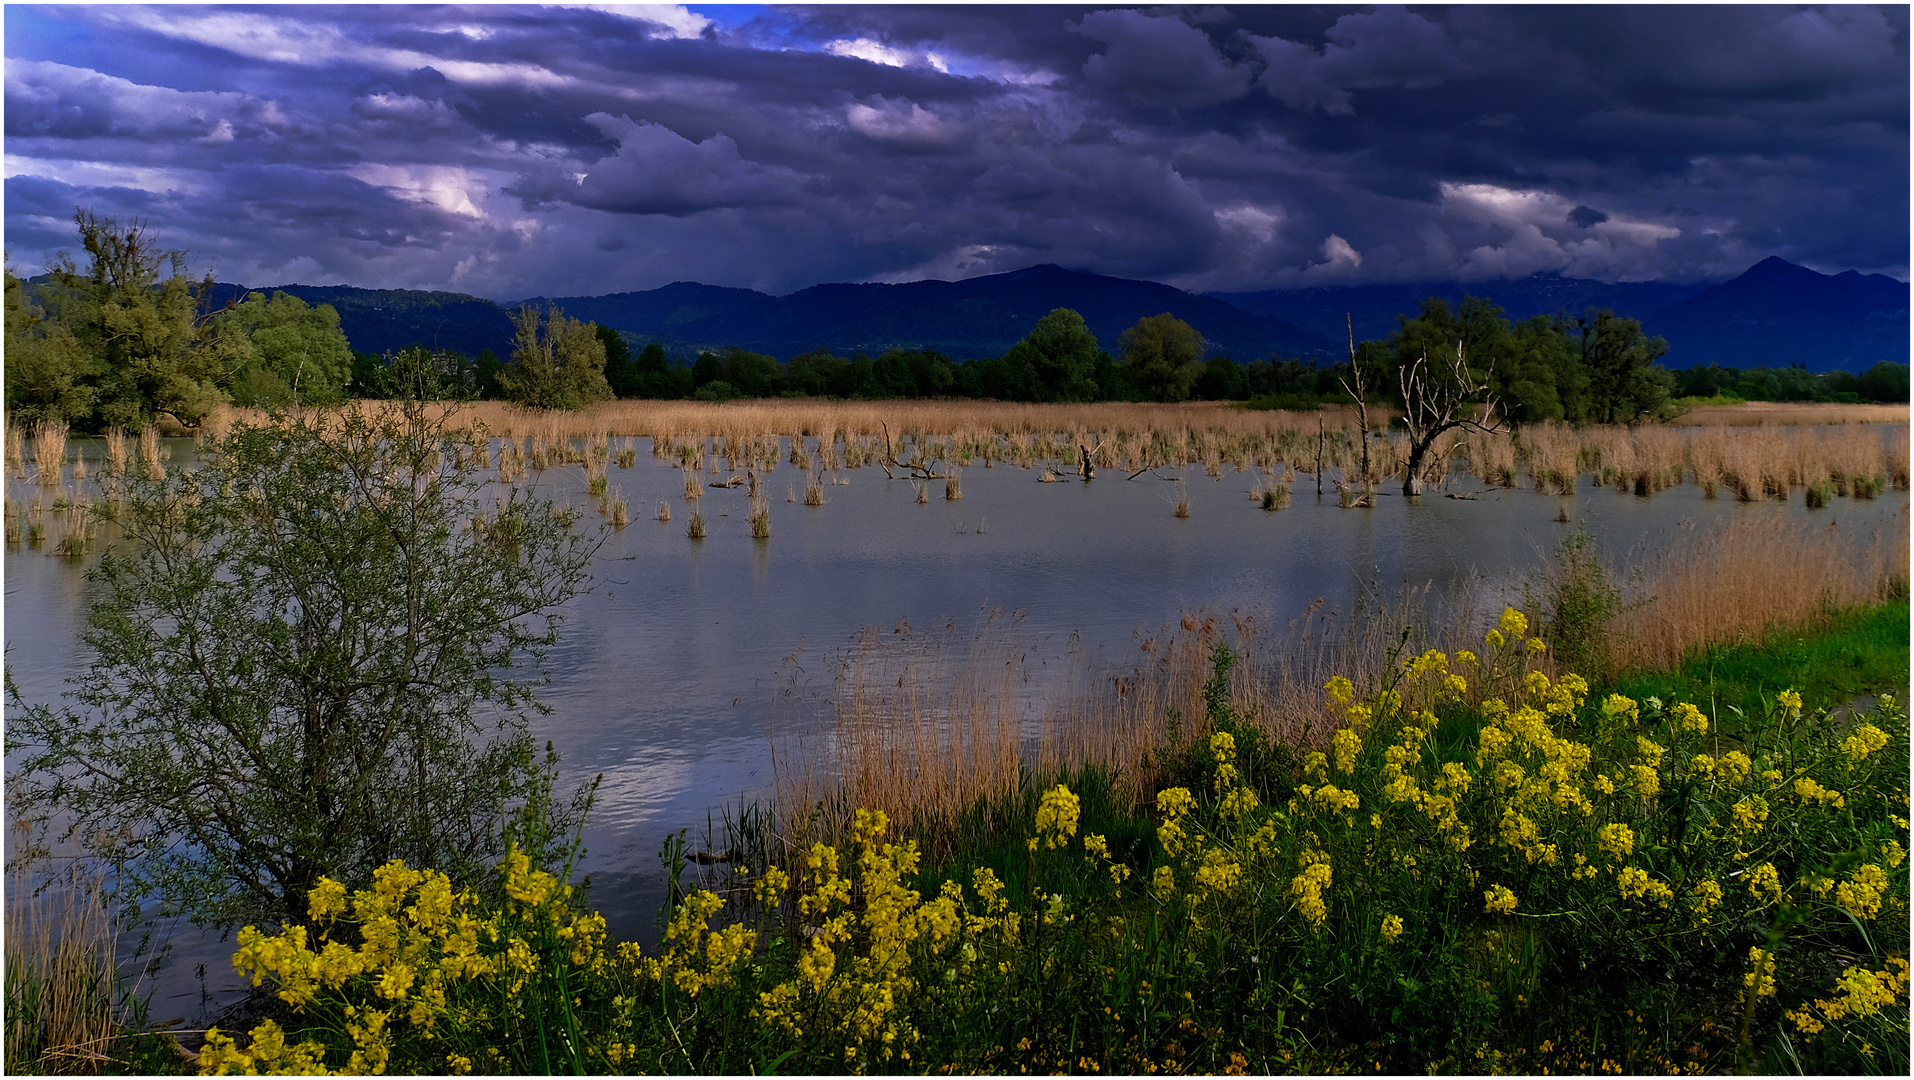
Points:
(1859, 652)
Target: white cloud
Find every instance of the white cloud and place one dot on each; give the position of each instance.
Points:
(879, 53)
(672, 20)
(1253, 221)
(905, 123)
(447, 187)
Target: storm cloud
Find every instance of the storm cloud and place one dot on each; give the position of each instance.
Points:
(508, 151)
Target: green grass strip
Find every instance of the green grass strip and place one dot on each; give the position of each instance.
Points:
(1863, 651)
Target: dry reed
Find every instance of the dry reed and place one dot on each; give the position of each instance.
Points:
(696, 529)
(49, 451)
(63, 1008)
(150, 453)
(664, 510)
(16, 450)
(1734, 583)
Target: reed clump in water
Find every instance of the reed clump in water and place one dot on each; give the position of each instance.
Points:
(814, 489)
(620, 512)
(953, 486)
(664, 510)
(1182, 499)
(49, 451)
(696, 529)
(16, 451)
(150, 453)
(760, 517)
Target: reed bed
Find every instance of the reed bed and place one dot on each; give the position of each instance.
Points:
(1789, 414)
(1732, 584)
(64, 1006)
(16, 450)
(150, 453)
(924, 725)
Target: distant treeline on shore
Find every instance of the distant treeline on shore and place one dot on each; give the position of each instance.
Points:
(120, 342)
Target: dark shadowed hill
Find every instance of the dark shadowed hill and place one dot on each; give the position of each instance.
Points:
(1779, 314)
(1774, 315)
(966, 319)
(1374, 307)
(387, 320)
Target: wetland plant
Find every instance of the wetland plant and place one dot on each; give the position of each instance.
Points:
(923, 493)
(1182, 499)
(664, 510)
(814, 490)
(696, 529)
(49, 450)
(693, 489)
(620, 513)
(760, 517)
(953, 487)
(1276, 497)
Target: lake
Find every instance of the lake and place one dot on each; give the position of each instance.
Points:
(670, 673)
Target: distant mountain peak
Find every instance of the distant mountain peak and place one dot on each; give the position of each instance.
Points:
(1776, 268)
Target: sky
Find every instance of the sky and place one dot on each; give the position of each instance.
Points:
(508, 151)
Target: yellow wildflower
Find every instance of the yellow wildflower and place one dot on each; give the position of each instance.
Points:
(1391, 929)
(1497, 899)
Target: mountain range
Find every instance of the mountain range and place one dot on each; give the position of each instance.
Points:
(1775, 314)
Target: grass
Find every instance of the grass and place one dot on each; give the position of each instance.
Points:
(1858, 652)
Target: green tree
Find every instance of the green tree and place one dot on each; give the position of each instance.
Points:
(557, 362)
(1163, 357)
(621, 370)
(309, 657)
(1626, 385)
(1062, 355)
(49, 374)
(299, 353)
(123, 338)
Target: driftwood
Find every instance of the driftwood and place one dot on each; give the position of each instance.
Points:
(917, 470)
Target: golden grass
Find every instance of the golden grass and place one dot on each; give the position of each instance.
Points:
(49, 450)
(1790, 413)
(1731, 584)
(1772, 450)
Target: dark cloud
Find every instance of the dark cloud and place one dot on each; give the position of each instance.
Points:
(1586, 217)
(518, 151)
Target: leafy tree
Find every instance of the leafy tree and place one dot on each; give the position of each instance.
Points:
(1885, 381)
(1162, 356)
(1061, 353)
(1223, 380)
(621, 371)
(557, 362)
(49, 375)
(121, 339)
(1625, 383)
(307, 661)
(299, 353)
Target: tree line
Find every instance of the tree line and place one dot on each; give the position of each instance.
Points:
(122, 341)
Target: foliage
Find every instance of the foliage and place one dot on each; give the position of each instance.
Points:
(1483, 871)
(1625, 383)
(299, 354)
(1885, 382)
(1062, 355)
(557, 362)
(1162, 356)
(306, 664)
(1576, 596)
(121, 341)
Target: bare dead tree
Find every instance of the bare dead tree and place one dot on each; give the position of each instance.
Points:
(1435, 400)
(1360, 393)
